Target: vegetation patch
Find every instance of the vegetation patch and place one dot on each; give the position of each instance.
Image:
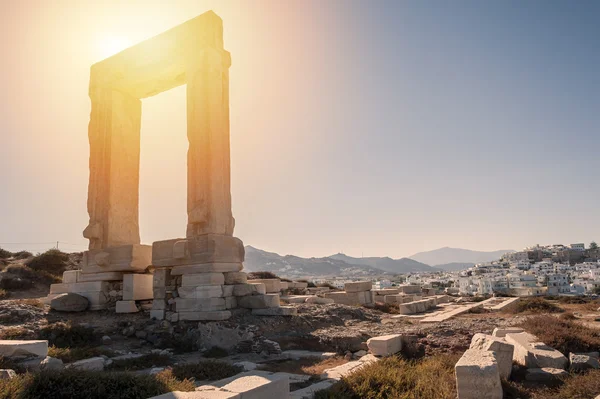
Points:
(391, 308)
(563, 335)
(215, 352)
(4, 294)
(91, 385)
(394, 377)
(205, 370)
(536, 305)
(140, 363)
(24, 277)
(4, 254)
(70, 355)
(15, 333)
(261, 275)
(52, 261)
(308, 366)
(68, 335)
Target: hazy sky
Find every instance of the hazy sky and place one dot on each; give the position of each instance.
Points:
(374, 127)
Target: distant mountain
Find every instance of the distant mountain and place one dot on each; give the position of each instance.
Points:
(294, 266)
(403, 265)
(457, 255)
(455, 266)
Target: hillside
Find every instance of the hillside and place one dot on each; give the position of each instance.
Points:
(403, 265)
(296, 267)
(457, 255)
(455, 266)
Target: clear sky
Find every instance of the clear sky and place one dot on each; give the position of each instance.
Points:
(369, 127)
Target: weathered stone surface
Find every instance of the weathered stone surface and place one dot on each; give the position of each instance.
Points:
(122, 258)
(280, 311)
(69, 302)
(582, 361)
(227, 290)
(310, 391)
(503, 350)
(209, 315)
(531, 353)
(236, 278)
(158, 314)
(199, 305)
(92, 364)
(192, 280)
(70, 276)
(343, 370)
(272, 285)
(51, 363)
(545, 374)
(501, 332)
(254, 384)
(298, 285)
(10, 348)
(385, 345)
(358, 286)
(283, 285)
(161, 278)
(249, 289)
(344, 298)
(477, 376)
(205, 248)
(258, 301)
(295, 298)
(207, 268)
(107, 276)
(318, 300)
(7, 374)
(230, 302)
(201, 292)
(93, 286)
(137, 287)
(126, 307)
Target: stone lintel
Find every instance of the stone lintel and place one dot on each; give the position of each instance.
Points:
(207, 248)
(125, 258)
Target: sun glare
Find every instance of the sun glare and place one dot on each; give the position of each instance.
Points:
(111, 45)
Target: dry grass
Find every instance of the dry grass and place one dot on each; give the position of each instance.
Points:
(391, 308)
(205, 370)
(4, 294)
(563, 334)
(140, 363)
(393, 377)
(536, 306)
(36, 303)
(69, 355)
(68, 335)
(308, 366)
(15, 333)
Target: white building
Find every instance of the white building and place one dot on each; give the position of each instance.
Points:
(578, 247)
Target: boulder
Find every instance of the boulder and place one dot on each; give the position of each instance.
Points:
(532, 353)
(545, 374)
(582, 362)
(69, 302)
(91, 364)
(478, 376)
(504, 351)
(51, 363)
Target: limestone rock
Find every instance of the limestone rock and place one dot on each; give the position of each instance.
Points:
(192, 280)
(137, 287)
(12, 348)
(69, 302)
(358, 286)
(236, 278)
(249, 289)
(545, 374)
(385, 345)
(582, 361)
(91, 364)
(318, 300)
(126, 307)
(258, 301)
(51, 363)
(531, 353)
(7, 374)
(501, 332)
(503, 350)
(272, 285)
(477, 375)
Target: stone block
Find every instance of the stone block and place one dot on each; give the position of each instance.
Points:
(202, 316)
(98, 300)
(10, 348)
(298, 285)
(93, 286)
(159, 304)
(92, 364)
(280, 311)
(344, 298)
(69, 302)
(272, 285)
(545, 374)
(106, 276)
(582, 361)
(501, 332)
(295, 298)
(230, 302)
(126, 307)
(358, 286)
(249, 289)
(258, 301)
(531, 353)
(343, 370)
(201, 292)
(318, 300)
(477, 376)
(207, 248)
(51, 363)
(199, 305)
(235, 278)
(410, 289)
(161, 278)
(283, 285)
(254, 384)
(503, 350)
(206, 268)
(70, 276)
(385, 345)
(192, 280)
(137, 287)
(227, 290)
(7, 374)
(124, 258)
(386, 291)
(157, 314)
(310, 391)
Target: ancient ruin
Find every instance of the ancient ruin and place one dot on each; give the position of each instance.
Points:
(196, 277)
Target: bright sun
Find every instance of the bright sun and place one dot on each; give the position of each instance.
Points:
(111, 45)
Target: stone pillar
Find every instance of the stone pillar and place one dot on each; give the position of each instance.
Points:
(209, 193)
(113, 191)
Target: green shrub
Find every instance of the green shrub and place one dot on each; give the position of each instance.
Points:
(74, 384)
(70, 355)
(140, 363)
(12, 283)
(563, 335)
(4, 254)
(22, 255)
(52, 261)
(205, 370)
(26, 273)
(536, 305)
(68, 335)
(394, 377)
(261, 275)
(216, 352)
